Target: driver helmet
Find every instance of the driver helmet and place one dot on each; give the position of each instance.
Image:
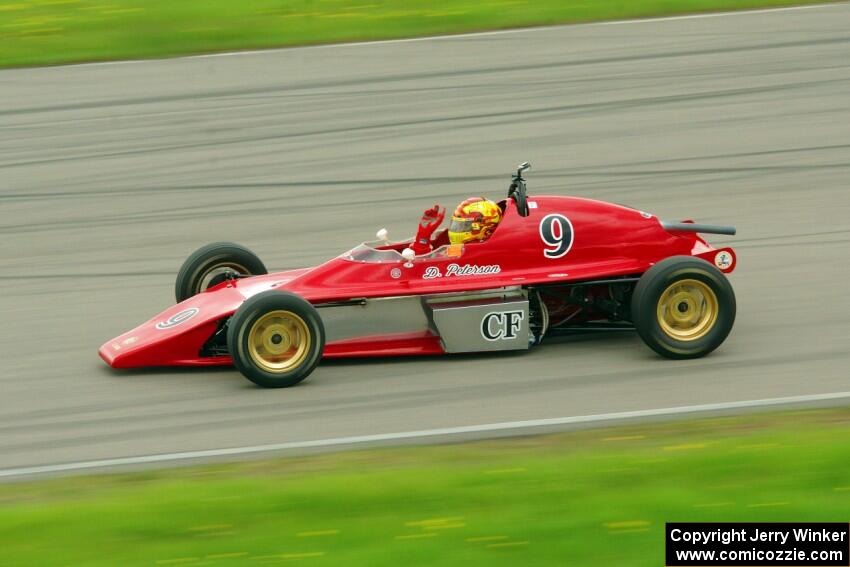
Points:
(474, 220)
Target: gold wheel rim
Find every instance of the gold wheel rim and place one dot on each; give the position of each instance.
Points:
(687, 310)
(279, 341)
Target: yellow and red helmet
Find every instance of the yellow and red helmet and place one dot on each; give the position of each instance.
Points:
(474, 220)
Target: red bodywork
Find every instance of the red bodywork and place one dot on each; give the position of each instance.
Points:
(607, 241)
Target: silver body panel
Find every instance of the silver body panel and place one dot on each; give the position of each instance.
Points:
(477, 321)
(383, 316)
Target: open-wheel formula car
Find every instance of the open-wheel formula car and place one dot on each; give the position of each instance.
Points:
(552, 265)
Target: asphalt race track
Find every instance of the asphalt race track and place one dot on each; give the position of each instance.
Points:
(111, 174)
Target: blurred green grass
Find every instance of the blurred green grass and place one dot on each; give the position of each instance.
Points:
(39, 32)
(597, 497)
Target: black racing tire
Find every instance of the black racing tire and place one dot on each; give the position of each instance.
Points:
(683, 307)
(205, 268)
(276, 339)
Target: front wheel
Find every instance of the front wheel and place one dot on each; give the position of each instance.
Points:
(683, 307)
(276, 339)
(208, 266)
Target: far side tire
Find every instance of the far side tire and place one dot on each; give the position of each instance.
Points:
(208, 265)
(683, 307)
(276, 339)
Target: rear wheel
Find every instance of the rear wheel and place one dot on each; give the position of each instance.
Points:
(209, 266)
(683, 307)
(276, 339)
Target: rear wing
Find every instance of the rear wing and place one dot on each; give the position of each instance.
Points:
(693, 227)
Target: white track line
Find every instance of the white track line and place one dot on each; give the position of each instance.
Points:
(422, 434)
(481, 34)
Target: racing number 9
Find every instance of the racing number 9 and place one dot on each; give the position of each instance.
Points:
(556, 231)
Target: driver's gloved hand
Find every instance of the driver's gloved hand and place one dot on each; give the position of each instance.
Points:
(430, 221)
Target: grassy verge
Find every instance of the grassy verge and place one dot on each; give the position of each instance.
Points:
(587, 498)
(38, 32)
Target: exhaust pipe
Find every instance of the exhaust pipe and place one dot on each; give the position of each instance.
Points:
(693, 227)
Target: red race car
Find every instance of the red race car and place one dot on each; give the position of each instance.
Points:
(503, 276)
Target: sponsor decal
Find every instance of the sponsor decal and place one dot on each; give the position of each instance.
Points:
(556, 232)
(723, 260)
(645, 214)
(178, 318)
(129, 340)
(532, 204)
(456, 270)
(116, 346)
(395, 273)
(501, 325)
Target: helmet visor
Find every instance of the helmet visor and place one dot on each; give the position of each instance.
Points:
(460, 225)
